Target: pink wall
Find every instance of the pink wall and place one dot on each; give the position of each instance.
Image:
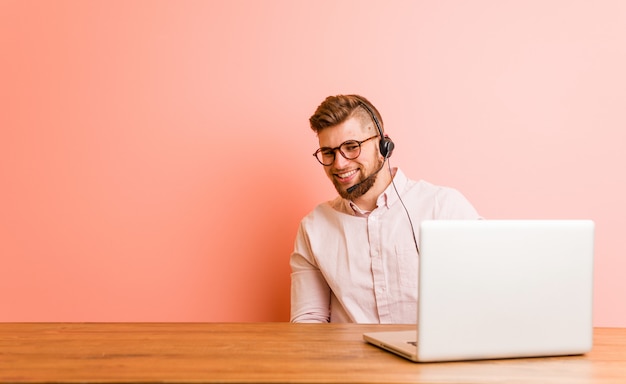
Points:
(155, 155)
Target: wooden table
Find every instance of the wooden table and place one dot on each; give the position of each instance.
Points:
(266, 352)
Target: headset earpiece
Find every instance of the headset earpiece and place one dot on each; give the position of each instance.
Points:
(386, 146)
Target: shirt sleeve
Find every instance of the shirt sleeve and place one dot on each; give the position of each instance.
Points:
(310, 294)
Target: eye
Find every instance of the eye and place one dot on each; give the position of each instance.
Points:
(350, 146)
(327, 152)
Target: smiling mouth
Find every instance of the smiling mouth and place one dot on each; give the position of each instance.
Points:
(346, 175)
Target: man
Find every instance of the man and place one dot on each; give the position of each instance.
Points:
(355, 257)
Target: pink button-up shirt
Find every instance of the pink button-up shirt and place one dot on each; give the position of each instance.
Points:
(355, 266)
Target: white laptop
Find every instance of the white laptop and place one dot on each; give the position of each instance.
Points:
(491, 289)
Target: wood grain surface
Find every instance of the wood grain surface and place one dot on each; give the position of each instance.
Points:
(266, 353)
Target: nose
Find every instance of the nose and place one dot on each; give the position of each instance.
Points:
(340, 161)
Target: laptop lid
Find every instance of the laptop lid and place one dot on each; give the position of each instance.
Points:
(501, 289)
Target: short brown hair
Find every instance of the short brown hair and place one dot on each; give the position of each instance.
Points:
(335, 110)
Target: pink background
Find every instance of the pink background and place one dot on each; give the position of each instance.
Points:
(155, 156)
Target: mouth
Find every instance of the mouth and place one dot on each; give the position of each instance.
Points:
(346, 177)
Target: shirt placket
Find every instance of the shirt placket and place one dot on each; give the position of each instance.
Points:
(378, 267)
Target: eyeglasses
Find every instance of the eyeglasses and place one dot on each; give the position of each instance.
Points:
(350, 150)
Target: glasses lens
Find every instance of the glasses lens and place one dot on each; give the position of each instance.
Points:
(326, 156)
(350, 149)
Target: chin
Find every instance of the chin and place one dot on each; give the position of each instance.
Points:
(359, 191)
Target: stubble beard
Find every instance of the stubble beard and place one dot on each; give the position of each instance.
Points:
(365, 184)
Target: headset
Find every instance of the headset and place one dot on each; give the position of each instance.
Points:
(385, 144)
(386, 148)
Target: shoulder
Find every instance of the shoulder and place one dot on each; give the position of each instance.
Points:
(327, 211)
(447, 202)
(443, 192)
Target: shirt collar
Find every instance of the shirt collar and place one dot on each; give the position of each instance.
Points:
(389, 197)
(358, 211)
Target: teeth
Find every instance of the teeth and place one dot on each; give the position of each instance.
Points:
(347, 174)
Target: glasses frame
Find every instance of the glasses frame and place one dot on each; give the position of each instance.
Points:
(340, 151)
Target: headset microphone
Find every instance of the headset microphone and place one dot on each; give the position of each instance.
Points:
(355, 186)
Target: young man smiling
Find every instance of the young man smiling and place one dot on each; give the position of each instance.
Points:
(355, 257)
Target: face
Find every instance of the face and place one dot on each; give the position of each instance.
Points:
(344, 173)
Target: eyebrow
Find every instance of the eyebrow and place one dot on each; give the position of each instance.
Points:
(347, 141)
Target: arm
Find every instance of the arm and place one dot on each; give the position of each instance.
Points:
(310, 294)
